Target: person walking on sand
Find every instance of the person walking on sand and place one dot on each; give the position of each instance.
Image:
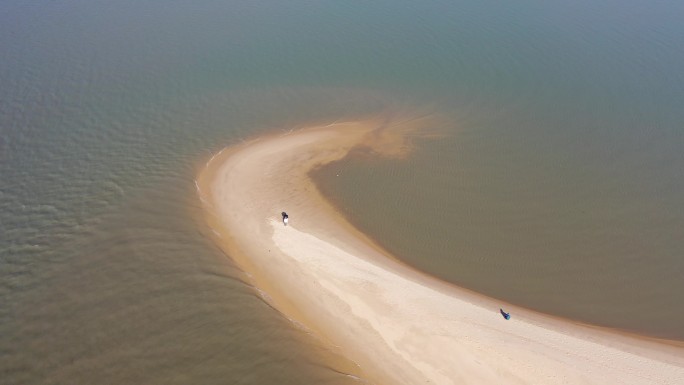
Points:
(285, 218)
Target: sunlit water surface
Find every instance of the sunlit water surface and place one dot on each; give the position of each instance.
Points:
(558, 183)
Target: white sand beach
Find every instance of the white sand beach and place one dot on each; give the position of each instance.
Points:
(399, 325)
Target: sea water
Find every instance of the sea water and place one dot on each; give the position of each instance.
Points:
(557, 184)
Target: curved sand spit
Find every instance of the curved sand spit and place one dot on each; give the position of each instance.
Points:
(400, 326)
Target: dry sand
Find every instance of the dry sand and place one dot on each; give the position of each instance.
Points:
(400, 326)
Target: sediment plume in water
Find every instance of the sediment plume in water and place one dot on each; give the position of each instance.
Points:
(399, 325)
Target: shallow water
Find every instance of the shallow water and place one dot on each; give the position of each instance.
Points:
(557, 186)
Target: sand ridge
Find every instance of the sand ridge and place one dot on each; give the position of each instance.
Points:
(400, 326)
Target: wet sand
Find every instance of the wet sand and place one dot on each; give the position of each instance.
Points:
(400, 326)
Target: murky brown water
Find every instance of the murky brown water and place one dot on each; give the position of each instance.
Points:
(558, 185)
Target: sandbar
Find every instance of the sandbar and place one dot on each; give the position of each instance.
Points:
(399, 325)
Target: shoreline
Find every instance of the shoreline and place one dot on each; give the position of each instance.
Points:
(398, 324)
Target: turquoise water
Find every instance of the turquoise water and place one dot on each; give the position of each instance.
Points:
(557, 186)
